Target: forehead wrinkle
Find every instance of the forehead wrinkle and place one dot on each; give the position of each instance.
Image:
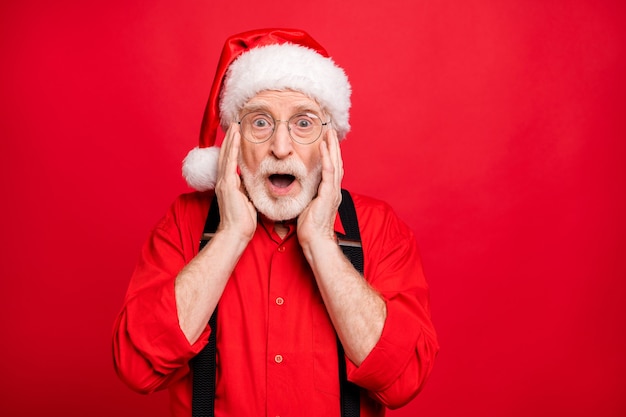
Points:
(256, 105)
(261, 105)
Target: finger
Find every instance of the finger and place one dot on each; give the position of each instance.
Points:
(229, 147)
(338, 157)
(327, 162)
(233, 154)
(224, 150)
(335, 156)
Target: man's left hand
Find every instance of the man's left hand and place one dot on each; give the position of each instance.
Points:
(317, 221)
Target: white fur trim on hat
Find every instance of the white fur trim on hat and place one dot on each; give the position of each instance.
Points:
(200, 168)
(282, 67)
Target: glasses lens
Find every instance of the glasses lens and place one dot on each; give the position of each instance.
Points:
(257, 127)
(305, 127)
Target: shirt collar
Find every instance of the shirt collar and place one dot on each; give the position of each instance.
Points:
(268, 225)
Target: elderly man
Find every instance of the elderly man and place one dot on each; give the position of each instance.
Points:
(273, 269)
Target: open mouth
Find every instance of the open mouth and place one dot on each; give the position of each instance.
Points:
(281, 180)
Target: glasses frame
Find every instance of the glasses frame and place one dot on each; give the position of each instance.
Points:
(276, 122)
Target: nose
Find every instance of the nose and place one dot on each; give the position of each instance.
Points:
(281, 145)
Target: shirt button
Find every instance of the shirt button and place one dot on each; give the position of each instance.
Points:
(281, 249)
(280, 301)
(278, 358)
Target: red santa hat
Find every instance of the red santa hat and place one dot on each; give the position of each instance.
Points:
(259, 60)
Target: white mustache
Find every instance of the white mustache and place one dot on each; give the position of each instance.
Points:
(271, 166)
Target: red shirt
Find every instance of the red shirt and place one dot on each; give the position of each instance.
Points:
(277, 353)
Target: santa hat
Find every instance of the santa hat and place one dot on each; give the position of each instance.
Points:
(258, 60)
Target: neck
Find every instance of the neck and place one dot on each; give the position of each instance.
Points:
(281, 229)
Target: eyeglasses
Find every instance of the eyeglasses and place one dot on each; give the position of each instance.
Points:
(303, 128)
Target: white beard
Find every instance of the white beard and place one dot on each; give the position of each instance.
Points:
(282, 207)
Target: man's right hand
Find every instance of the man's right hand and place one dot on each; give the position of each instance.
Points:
(201, 282)
(238, 216)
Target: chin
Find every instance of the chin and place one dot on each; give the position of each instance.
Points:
(285, 207)
(279, 208)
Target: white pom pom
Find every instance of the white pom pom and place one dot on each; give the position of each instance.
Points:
(200, 168)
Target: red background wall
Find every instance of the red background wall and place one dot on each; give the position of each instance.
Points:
(496, 128)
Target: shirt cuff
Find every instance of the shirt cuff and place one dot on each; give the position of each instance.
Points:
(393, 352)
(157, 332)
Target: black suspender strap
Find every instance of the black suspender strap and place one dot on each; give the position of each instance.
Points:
(349, 392)
(203, 365)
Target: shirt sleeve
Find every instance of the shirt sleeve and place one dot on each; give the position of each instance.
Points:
(149, 348)
(395, 370)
